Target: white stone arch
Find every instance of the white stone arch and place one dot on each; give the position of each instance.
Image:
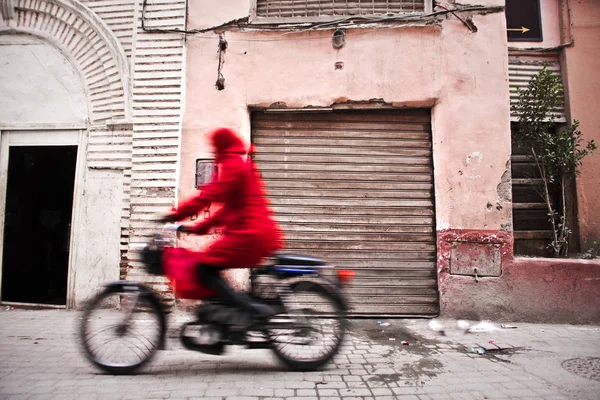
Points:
(87, 41)
(104, 168)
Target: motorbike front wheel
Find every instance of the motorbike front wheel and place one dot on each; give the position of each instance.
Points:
(122, 328)
(309, 334)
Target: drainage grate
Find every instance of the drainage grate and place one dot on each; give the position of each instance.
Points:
(588, 367)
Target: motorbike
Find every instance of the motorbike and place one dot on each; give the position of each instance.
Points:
(125, 324)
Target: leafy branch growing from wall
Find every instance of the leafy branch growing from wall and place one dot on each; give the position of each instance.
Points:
(557, 154)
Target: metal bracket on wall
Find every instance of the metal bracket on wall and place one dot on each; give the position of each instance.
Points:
(205, 169)
(476, 259)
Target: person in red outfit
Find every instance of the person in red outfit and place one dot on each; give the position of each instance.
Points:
(250, 232)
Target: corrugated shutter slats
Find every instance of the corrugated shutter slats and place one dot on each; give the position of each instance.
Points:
(520, 73)
(356, 188)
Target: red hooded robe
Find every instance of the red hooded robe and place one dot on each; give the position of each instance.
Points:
(249, 231)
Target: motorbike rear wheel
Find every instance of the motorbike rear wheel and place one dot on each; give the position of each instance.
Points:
(311, 331)
(122, 328)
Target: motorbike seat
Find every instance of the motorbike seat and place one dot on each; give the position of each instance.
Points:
(291, 260)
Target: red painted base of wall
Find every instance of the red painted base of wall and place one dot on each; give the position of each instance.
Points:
(528, 289)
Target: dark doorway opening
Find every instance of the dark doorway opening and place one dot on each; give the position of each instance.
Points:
(39, 203)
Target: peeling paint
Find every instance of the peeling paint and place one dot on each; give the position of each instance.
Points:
(442, 225)
(278, 104)
(504, 190)
(371, 103)
(474, 155)
(473, 162)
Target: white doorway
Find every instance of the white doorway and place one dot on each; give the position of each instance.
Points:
(54, 108)
(38, 187)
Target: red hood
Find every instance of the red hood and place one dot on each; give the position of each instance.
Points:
(225, 140)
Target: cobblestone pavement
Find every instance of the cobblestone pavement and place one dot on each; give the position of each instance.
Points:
(40, 358)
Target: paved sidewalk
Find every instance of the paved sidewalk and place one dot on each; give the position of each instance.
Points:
(40, 359)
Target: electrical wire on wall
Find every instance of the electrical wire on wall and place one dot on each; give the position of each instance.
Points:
(346, 22)
(466, 22)
(222, 48)
(290, 28)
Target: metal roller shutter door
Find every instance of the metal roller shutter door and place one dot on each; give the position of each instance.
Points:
(356, 188)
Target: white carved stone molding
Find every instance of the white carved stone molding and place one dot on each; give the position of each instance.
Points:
(90, 44)
(7, 10)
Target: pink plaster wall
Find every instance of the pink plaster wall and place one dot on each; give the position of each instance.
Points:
(532, 290)
(461, 75)
(528, 289)
(581, 64)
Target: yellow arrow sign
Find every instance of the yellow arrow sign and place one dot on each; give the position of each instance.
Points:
(521, 29)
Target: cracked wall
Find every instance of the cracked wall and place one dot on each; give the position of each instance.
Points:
(460, 74)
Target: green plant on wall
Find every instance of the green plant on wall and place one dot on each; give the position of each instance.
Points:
(557, 154)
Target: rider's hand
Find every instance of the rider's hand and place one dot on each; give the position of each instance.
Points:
(198, 229)
(166, 218)
(185, 229)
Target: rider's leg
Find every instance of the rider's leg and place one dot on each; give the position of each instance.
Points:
(211, 277)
